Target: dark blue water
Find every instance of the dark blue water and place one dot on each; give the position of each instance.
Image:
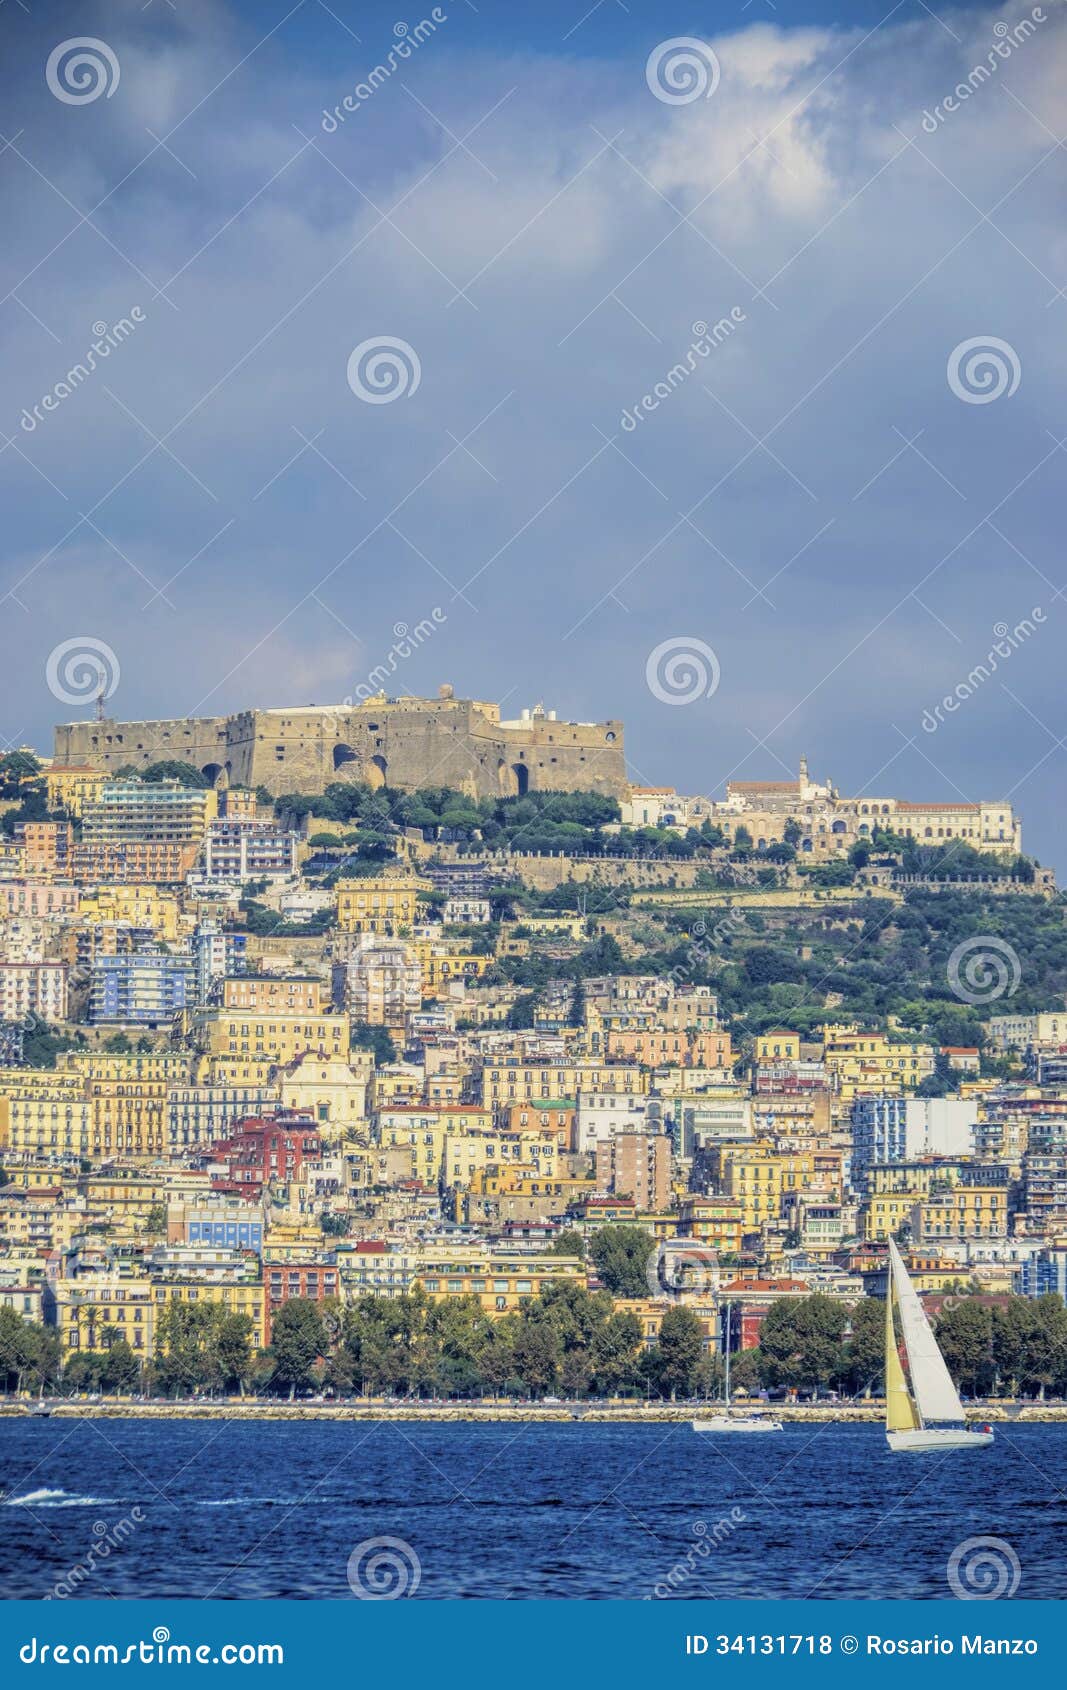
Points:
(235, 1509)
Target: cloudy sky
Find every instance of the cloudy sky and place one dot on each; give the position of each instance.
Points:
(834, 510)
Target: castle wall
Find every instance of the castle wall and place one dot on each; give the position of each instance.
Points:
(405, 744)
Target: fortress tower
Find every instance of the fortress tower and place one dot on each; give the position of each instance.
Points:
(400, 742)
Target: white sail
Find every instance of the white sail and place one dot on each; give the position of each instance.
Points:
(931, 1383)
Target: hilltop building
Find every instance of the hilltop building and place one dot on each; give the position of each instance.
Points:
(401, 742)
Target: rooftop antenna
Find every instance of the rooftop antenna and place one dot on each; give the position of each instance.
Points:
(100, 697)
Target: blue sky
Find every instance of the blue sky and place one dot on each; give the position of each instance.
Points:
(842, 498)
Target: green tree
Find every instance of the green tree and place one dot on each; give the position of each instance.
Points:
(965, 1339)
(298, 1338)
(18, 1349)
(802, 1342)
(377, 1039)
(119, 1368)
(620, 1254)
(536, 1356)
(569, 1242)
(865, 1346)
(676, 1357)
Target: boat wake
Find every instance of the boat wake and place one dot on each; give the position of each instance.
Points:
(54, 1499)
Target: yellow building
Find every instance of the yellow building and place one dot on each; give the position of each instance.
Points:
(384, 904)
(423, 1133)
(717, 1221)
(139, 906)
(523, 1082)
(71, 786)
(43, 1113)
(965, 1211)
(502, 1281)
(442, 967)
(859, 1060)
(270, 1036)
(759, 1177)
(466, 1154)
(778, 1046)
(650, 1312)
(333, 1093)
(89, 1310)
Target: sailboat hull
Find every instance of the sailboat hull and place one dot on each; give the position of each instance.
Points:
(737, 1423)
(935, 1438)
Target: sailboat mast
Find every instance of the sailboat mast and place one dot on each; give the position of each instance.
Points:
(728, 1336)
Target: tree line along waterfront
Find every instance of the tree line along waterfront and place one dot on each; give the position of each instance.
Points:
(568, 1340)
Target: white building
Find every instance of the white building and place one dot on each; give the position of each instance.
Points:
(466, 912)
(1017, 1032)
(603, 1114)
(33, 989)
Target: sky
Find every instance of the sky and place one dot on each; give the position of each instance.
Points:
(699, 366)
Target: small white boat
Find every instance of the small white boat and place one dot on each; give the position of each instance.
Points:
(738, 1423)
(932, 1396)
(727, 1421)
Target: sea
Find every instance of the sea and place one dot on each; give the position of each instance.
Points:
(323, 1509)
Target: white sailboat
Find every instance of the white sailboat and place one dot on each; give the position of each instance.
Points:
(728, 1422)
(933, 1398)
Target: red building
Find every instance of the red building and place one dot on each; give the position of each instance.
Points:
(284, 1280)
(261, 1150)
(752, 1297)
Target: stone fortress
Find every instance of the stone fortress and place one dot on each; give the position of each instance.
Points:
(404, 743)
